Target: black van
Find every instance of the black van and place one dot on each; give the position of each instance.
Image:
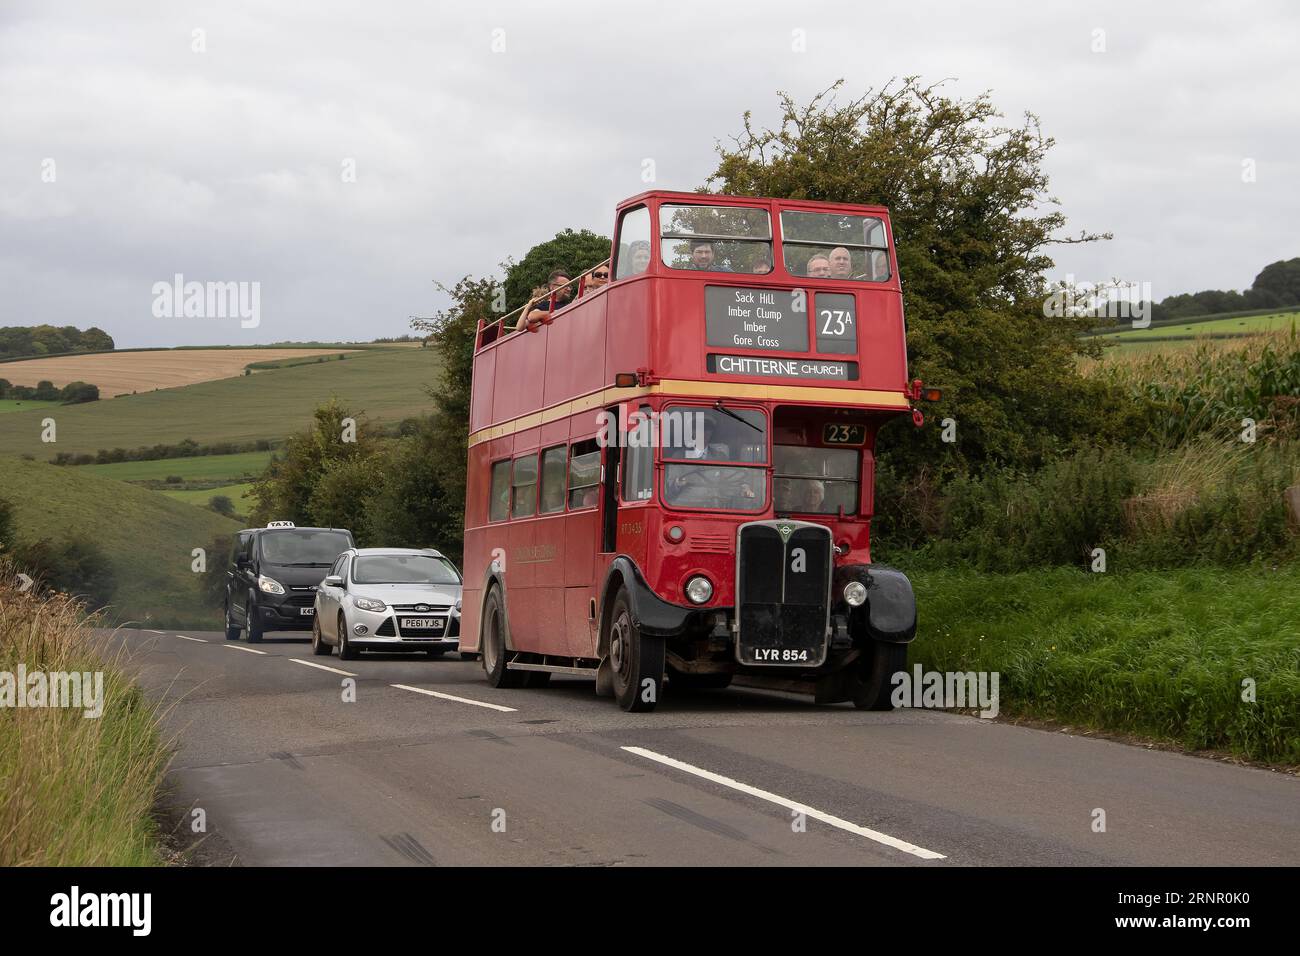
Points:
(271, 583)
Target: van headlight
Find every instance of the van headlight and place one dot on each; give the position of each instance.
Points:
(855, 594)
(369, 604)
(269, 585)
(699, 589)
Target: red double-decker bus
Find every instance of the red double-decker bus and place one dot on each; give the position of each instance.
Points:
(670, 476)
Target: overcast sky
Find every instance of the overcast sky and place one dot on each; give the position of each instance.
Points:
(228, 164)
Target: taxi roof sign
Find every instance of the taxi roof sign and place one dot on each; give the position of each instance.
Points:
(281, 524)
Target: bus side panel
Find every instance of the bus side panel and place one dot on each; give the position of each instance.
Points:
(480, 537)
(882, 350)
(627, 334)
(520, 372)
(575, 343)
(579, 629)
(480, 408)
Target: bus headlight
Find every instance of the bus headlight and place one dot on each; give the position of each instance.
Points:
(855, 594)
(699, 589)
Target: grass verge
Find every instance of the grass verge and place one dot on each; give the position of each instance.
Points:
(78, 791)
(1162, 655)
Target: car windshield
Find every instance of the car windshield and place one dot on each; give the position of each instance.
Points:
(716, 238)
(301, 546)
(809, 480)
(403, 569)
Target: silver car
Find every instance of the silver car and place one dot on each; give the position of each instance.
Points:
(388, 599)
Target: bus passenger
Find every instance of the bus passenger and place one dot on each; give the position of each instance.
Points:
(841, 263)
(598, 277)
(762, 265)
(703, 256)
(558, 283)
(639, 252)
(819, 266)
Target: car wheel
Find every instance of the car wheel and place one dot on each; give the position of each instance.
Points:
(318, 645)
(876, 686)
(346, 651)
(232, 629)
(636, 660)
(254, 623)
(494, 643)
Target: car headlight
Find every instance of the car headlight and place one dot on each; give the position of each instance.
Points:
(269, 585)
(699, 589)
(457, 605)
(855, 594)
(369, 604)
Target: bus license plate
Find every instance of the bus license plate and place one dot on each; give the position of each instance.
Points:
(421, 623)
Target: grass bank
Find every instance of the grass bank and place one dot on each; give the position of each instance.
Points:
(77, 791)
(1157, 654)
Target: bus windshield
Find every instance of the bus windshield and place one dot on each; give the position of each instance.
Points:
(835, 246)
(815, 480)
(714, 457)
(716, 238)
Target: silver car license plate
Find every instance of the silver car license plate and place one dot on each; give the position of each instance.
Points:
(421, 623)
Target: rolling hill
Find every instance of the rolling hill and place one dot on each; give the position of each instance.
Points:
(385, 385)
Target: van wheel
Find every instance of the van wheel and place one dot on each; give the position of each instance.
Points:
(494, 644)
(254, 624)
(318, 645)
(876, 686)
(346, 651)
(232, 629)
(636, 662)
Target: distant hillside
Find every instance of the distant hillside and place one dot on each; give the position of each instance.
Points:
(147, 536)
(386, 385)
(22, 340)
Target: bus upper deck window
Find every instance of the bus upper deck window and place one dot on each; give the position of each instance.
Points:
(716, 238)
(823, 245)
(633, 256)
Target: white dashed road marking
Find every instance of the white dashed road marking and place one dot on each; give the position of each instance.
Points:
(459, 700)
(196, 640)
(249, 650)
(824, 817)
(332, 670)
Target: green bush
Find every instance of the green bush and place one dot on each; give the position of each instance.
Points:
(79, 568)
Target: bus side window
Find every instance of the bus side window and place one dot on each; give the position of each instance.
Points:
(633, 243)
(638, 461)
(584, 475)
(525, 487)
(499, 505)
(554, 461)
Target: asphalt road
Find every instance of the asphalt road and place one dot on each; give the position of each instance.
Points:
(287, 772)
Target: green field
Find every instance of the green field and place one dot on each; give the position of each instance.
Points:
(383, 385)
(1162, 654)
(14, 405)
(147, 536)
(1248, 324)
(239, 494)
(201, 468)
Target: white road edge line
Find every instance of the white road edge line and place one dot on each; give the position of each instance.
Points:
(459, 700)
(816, 814)
(196, 640)
(246, 650)
(332, 670)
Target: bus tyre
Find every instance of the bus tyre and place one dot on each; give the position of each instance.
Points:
(318, 645)
(636, 662)
(346, 651)
(495, 644)
(876, 686)
(232, 629)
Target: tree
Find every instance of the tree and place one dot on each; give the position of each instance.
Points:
(573, 251)
(411, 507)
(1281, 280)
(75, 393)
(221, 504)
(973, 225)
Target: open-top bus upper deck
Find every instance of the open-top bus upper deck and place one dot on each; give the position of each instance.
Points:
(717, 296)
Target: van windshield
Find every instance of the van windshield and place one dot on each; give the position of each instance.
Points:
(303, 547)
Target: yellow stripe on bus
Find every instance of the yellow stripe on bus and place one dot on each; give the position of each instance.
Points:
(690, 389)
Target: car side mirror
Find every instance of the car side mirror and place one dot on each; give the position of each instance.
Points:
(333, 581)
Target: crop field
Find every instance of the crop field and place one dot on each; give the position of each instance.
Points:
(384, 385)
(124, 372)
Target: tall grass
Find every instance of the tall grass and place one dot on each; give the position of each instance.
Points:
(74, 791)
(1160, 654)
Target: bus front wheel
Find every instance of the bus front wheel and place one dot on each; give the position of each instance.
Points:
(876, 685)
(494, 644)
(636, 661)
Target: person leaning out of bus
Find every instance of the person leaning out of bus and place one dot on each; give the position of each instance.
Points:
(540, 308)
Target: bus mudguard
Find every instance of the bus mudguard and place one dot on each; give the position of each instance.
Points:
(891, 605)
(650, 613)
